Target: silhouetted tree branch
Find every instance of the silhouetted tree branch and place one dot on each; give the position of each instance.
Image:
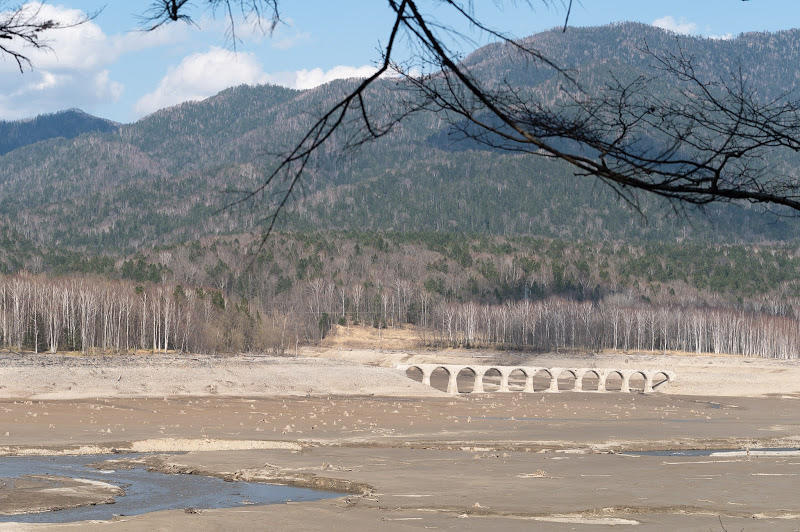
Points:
(263, 13)
(24, 26)
(701, 141)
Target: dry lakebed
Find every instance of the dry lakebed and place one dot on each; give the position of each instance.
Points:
(367, 448)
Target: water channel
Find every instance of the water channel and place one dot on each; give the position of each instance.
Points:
(145, 491)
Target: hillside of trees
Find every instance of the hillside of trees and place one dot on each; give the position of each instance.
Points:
(225, 295)
(113, 240)
(164, 178)
(64, 124)
(91, 315)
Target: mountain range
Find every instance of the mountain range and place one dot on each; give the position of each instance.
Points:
(77, 182)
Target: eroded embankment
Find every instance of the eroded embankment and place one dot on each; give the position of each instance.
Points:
(268, 474)
(159, 445)
(745, 446)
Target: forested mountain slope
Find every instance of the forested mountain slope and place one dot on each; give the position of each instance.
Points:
(66, 124)
(162, 179)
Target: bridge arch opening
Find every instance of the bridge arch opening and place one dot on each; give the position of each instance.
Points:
(440, 377)
(517, 380)
(590, 381)
(465, 380)
(567, 380)
(491, 380)
(636, 382)
(659, 378)
(414, 373)
(541, 380)
(614, 381)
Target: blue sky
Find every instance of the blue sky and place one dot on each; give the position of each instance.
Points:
(110, 69)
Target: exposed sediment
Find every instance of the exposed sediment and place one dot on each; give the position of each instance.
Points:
(41, 493)
(510, 461)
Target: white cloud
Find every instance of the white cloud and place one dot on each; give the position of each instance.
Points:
(85, 46)
(105, 87)
(724, 37)
(44, 92)
(73, 70)
(201, 75)
(682, 27)
(133, 41)
(286, 35)
(308, 79)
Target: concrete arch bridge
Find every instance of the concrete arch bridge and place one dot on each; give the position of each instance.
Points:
(470, 378)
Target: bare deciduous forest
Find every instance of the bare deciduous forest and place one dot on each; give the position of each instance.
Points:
(90, 314)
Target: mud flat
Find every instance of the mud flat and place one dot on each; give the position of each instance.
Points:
(41, 493)
(95, 493)
(423, 460)
(516, 461)
(480, 490)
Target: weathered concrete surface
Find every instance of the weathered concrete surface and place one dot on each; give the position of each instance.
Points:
(651, 378)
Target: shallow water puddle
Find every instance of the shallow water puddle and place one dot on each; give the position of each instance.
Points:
(145, 491)
(767, 451)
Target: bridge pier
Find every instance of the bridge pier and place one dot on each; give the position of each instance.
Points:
(648, 383)
(478, 386)
(452, 383)
(554, 374)
(601, 381)
(579, 379)
(426, 376)
(626, 377)
(528, 382)
(504, 381)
